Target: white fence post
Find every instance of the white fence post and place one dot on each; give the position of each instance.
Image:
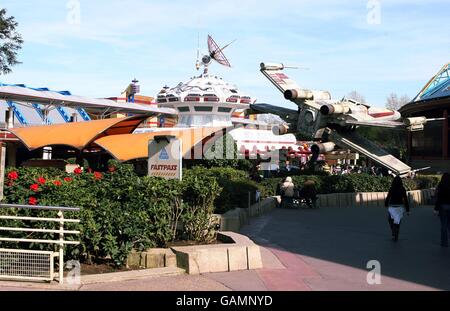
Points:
(61, 247)
(25, 264)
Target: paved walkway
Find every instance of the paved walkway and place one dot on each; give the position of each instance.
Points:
(324, 249)
(329, 248)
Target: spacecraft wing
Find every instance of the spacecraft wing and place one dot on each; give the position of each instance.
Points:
(364, 146)
(275, 74)
(377, 123)
(248, 122)
(288, 115)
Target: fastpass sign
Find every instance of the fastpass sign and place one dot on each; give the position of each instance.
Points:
(165, 157)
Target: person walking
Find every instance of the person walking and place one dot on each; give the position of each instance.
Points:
(287, 191)
(442, 207)
(396, 202)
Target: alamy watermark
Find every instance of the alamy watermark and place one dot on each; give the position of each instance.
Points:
(374, 12)
(221, 144)
(74, 274)
(73, 16)
(374, 275)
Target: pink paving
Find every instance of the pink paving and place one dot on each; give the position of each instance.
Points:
(292, 277)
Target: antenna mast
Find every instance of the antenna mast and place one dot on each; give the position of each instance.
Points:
(197, 63)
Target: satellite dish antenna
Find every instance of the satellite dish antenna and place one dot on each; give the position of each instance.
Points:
(215, 53)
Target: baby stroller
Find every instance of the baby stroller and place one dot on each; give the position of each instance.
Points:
(306, 196)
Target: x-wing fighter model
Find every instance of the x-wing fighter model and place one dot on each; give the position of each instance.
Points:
(332, 123)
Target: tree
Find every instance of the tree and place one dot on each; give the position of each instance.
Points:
(10, 42)
(356, 96)
(395, 103)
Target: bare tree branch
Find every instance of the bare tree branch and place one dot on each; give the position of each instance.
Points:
(356, 96)
(395, 103)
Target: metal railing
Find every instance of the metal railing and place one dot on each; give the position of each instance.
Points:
(22, 264)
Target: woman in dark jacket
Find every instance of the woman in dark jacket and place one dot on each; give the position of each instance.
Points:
(443, 207)
(396, 202)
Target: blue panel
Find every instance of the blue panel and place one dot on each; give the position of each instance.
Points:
(438, 87)
(63, 113)
(17, 113)
(83, 114)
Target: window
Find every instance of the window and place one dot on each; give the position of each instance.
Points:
(245, 100)
(204, 120)
(223, 109)
(192, 98)
(203, 108)
(183, 109)
(210, 98)
(233, 99)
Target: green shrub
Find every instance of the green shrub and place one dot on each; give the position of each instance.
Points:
(200, 192)
(355, 183)
(235, 186)
(427, 181)
(119, 210)
(351, 183)
(268, 186)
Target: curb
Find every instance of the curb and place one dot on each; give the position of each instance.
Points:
(96, 278)
(238, 253)
(130, 275)
(234, 219)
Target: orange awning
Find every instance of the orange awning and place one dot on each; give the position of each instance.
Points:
(135, 146)
(76, 134)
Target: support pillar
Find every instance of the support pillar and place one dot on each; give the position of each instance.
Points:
(445, 135)
(2, 168)
(11, 154)
(409, 147)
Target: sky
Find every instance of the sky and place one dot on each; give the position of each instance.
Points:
(95, 48)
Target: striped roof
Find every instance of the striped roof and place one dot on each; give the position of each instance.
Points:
(438, 87)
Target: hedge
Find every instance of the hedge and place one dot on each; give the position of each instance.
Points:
(235, 186)
(353, 183)
(119, 210)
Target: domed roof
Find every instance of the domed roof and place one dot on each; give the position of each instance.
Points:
(434, 95)
(437, 87)
(206, 87)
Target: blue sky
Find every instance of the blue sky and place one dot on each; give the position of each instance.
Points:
(156, 42)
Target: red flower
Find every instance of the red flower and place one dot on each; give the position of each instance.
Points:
(34, 187)
(112, 169)
(67, 179)
(78, 171)
(41, 180)
(57, 183)
(32, 201)
(13, 175)
(89, 170)
(98, 175)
